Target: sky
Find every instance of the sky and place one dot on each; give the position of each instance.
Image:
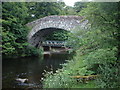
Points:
(70, 2)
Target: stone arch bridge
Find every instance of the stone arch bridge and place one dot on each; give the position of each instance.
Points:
(45, 26)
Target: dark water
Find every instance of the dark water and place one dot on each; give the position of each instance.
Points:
(30, 68)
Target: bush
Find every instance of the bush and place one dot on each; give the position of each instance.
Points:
(62, 78)
(32, 51)
(90, 59)
(110, 77)
(96, 50)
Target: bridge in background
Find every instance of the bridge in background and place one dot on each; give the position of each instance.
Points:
(53, 43)
(55, 47)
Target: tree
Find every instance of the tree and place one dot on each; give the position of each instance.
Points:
(97, 50)
(69, 10)
(41, 9)
(78, 6)
(104, 17)
(14, 17)
(60, 35)
(14, 10)
(14, 35)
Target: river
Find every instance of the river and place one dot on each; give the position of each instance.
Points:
(31, 68)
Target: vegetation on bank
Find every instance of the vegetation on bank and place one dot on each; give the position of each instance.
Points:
(97, 51)
(97, 48)
(15, 16)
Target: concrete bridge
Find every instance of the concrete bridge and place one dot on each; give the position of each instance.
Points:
(42, 27)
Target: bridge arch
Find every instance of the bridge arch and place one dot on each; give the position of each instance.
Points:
(46, 25)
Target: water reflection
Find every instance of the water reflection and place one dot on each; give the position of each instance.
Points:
(30, 68)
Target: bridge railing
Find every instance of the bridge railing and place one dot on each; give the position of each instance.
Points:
(53, 43)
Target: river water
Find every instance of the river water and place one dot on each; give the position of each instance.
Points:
(31, 68)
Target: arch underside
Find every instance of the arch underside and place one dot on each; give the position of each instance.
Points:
(41, 34)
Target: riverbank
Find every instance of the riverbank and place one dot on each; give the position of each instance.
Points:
(57, 51)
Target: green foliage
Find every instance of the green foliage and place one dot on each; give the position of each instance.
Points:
(69, 10)
(91, 84)
(78, 6)
(62, 77)
(42, 9)
(30, 51)
(104, 16)
(109, 76)
(101, 56)
(7, 40)
(57, 80)
(59, 35)
(14, 17)
(89, 59)
(14, 31)
(96, 50)
(104, 13)
(11, 10)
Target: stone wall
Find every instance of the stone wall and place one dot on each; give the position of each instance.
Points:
(60, 22)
